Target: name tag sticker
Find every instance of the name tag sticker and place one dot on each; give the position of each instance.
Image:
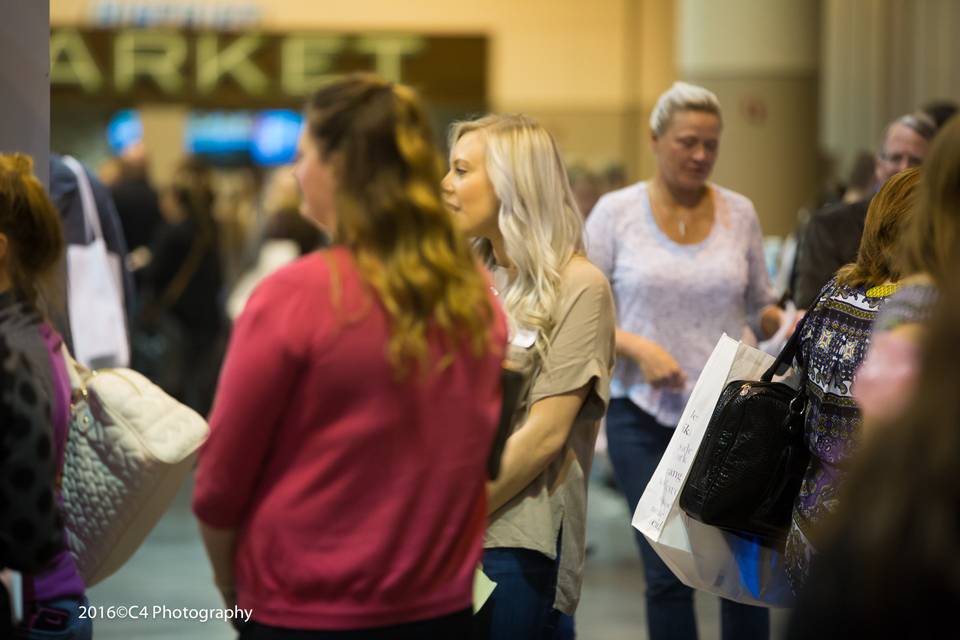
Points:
(524, 338)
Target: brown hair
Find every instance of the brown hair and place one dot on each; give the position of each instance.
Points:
(877, 259)
(935, 229)
(34, 233)
(390, 214)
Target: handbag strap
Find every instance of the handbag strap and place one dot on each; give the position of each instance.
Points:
(787, 354)
(63, 373)
(189, 268)
(91, 214)
(76, 382)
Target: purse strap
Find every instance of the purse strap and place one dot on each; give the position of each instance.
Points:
(787, 354)
(171, 295)
(63, 372)
(76, 382)
(88, 203)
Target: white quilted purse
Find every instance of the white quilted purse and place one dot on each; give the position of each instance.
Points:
(129, 447)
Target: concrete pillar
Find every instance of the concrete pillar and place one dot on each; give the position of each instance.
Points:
(761, 58)
(25, 81)
(881, 59)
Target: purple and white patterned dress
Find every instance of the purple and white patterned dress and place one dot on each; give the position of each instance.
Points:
(834, 342)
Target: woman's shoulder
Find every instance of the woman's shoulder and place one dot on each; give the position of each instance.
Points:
(616, 202)
(739, 205)
(317, 265)
(835, 289)
(315, 272)
(579, 267)
(16, 315)
(854, 303)
(580, 274)
(913, 303)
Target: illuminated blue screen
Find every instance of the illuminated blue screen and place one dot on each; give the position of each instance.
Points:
(264, 138)
(274, 139)
(124, 129)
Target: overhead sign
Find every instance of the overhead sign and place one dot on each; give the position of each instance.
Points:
(224, 69)
(202, 14)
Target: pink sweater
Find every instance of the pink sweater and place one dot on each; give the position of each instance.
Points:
(359, 500)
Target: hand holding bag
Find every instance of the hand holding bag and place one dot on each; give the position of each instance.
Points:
(129, 448)
(700, 555)
(750, 464)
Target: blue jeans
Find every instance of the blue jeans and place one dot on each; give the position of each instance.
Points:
(636, 443)
(58, 620)
(521, 607)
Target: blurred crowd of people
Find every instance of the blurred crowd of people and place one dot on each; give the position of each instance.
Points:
(346, 323)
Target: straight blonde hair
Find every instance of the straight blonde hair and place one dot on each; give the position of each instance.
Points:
(541, 225)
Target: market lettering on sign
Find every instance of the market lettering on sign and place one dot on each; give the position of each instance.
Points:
(201, 62)
(213, 63)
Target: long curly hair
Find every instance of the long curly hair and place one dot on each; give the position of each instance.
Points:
(390, 215)
(541, 225)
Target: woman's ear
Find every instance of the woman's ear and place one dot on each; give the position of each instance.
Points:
(337, 165)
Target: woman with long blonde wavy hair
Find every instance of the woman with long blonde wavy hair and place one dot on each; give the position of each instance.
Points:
(343, 485)
(507, 188)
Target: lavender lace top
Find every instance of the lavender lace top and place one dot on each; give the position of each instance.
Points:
(681, 296)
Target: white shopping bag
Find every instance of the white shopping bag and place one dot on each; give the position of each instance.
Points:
(13, 583)
(702, 556)
(95, 290)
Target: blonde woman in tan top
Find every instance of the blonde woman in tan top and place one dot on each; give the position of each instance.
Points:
(508, 189)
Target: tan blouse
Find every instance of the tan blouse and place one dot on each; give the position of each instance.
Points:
(581, 349)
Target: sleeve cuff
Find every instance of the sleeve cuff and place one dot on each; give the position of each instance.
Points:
(572, 377)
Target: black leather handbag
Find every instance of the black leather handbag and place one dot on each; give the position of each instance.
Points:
(749, 466)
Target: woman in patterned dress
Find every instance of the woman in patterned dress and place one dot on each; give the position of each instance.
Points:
(835, 339)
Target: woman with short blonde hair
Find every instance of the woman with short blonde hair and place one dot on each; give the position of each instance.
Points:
(836, 334)
(685, 257)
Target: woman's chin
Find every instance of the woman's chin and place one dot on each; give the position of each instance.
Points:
(464, 227)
